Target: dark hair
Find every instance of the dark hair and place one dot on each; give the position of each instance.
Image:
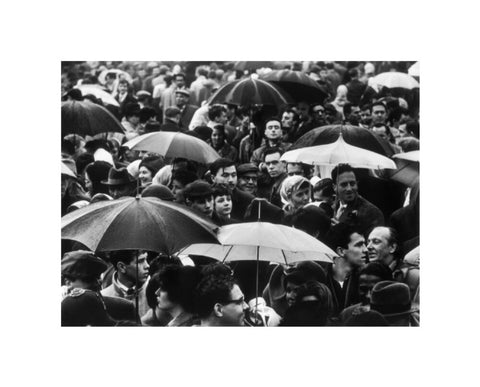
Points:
(82, 161)
(340, 235)
(180, 283)
(184, 176)
(290, 110)
(378, 103)
(305, 167)
(146, 113)
(68, 147)
(311, 219)
(271, 118)
(124, 256)
(396, 114)
(339, 169)
(150, 291)
(413, 127)
(221, 190)
(124, 82)
(353, 73)
(219, 164)
(271, 151)
(220, 128)
(215, 111)
(212, 289)
(378, 269)
(202, 71)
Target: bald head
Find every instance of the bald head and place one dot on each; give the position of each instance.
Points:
(382, 244)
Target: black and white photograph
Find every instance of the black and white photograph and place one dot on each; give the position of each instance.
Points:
(240, 193)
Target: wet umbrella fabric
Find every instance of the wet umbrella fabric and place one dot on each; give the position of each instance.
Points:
(395, 79)
(353, 135)
(408, 168)
(99, 93)
(339, 152)
(250, 91)
(298, 85)
(142, 223)
(87, 119)
(174, 144)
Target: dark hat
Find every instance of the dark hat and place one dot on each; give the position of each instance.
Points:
(204, 132)
(172, 111)
(197, 189)
(245, 168)
(75, 94)
(183, 91)
(84, 308)
(118, 177)
(306, 271)
(158, 191)
(131, 109)
(82, 264)
(391, 298)
(98, 171)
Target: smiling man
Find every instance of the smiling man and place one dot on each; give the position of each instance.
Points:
(382, 245)
(351, 208)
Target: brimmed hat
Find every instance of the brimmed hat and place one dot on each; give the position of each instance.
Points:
(183, 91)
(118, 177)
(391, 299)
(246, 168)
(197, 189)
(82, 264)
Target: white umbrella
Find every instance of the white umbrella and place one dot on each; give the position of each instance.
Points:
(409, 156)
(118, 72)
(174, 144)
(67, 171)
(339, 152)
(98, 92)
(394, 79)
(414, 70)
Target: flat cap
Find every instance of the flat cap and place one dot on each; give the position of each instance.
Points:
(82, 264)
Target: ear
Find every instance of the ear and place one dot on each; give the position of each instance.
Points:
(121, 267)
(340, 251)
(393, 247)
(218, 310)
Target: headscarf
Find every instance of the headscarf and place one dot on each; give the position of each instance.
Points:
(290, 185)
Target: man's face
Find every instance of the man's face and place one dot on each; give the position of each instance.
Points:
(346, 187)
(273, 130)
(222, 118)
(356, 252)
(318, 112)
(248, 182)
(275, 167)
(366, 283)
(134, 120)
(118, 191)
(223, 205)
(203, 205)
(217, 138)
(227, 176)
(300, 197)
(295, 169)
(234, 311)
(122, 88)
(379, 114)
(180, 81)
(379, 247)
(181, 99)
(291, 293)
(143, 266)
(365, 117)
(287, 120)
(302, 110)
(177, 190)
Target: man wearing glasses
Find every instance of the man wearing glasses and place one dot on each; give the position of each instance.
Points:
(220, 302)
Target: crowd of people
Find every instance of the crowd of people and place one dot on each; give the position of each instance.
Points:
(370, 221)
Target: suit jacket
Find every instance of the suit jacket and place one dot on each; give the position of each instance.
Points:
(170, 126)
(120, 309)
(186, 116)
(362, 214)
(240, 202)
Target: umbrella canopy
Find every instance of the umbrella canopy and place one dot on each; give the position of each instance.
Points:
(250, 91)
(265, 242)
(339, 152)
(118, 72)
(67, 171)
(414, 70)
(408, 168)
(394, 79)
(87, 119)
(99, 92)
(298, 85)
(251, 65)
(129, 223)
(174, 144)
(353, 135)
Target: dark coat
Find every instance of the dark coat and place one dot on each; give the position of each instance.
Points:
(186, 116)
(362, 214)
(170, 126)
(240, 202)
(120, 309)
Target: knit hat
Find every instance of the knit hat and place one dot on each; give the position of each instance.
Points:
(391, 299)
(158, 191)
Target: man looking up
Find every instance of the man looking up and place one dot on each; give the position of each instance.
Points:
(351, 208)
(273, 138)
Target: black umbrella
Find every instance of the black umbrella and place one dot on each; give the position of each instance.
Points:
(353, 135)
(249, 92)
(87, 118)
(298, 85)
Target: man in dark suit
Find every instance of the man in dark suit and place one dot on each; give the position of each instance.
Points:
(172, 119)
(186, 111)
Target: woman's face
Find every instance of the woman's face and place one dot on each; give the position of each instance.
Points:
(122, 88)
(88, 183)
(217, 138)
(163, 302)
(145, 176)
(300, 197)
(223, 205)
